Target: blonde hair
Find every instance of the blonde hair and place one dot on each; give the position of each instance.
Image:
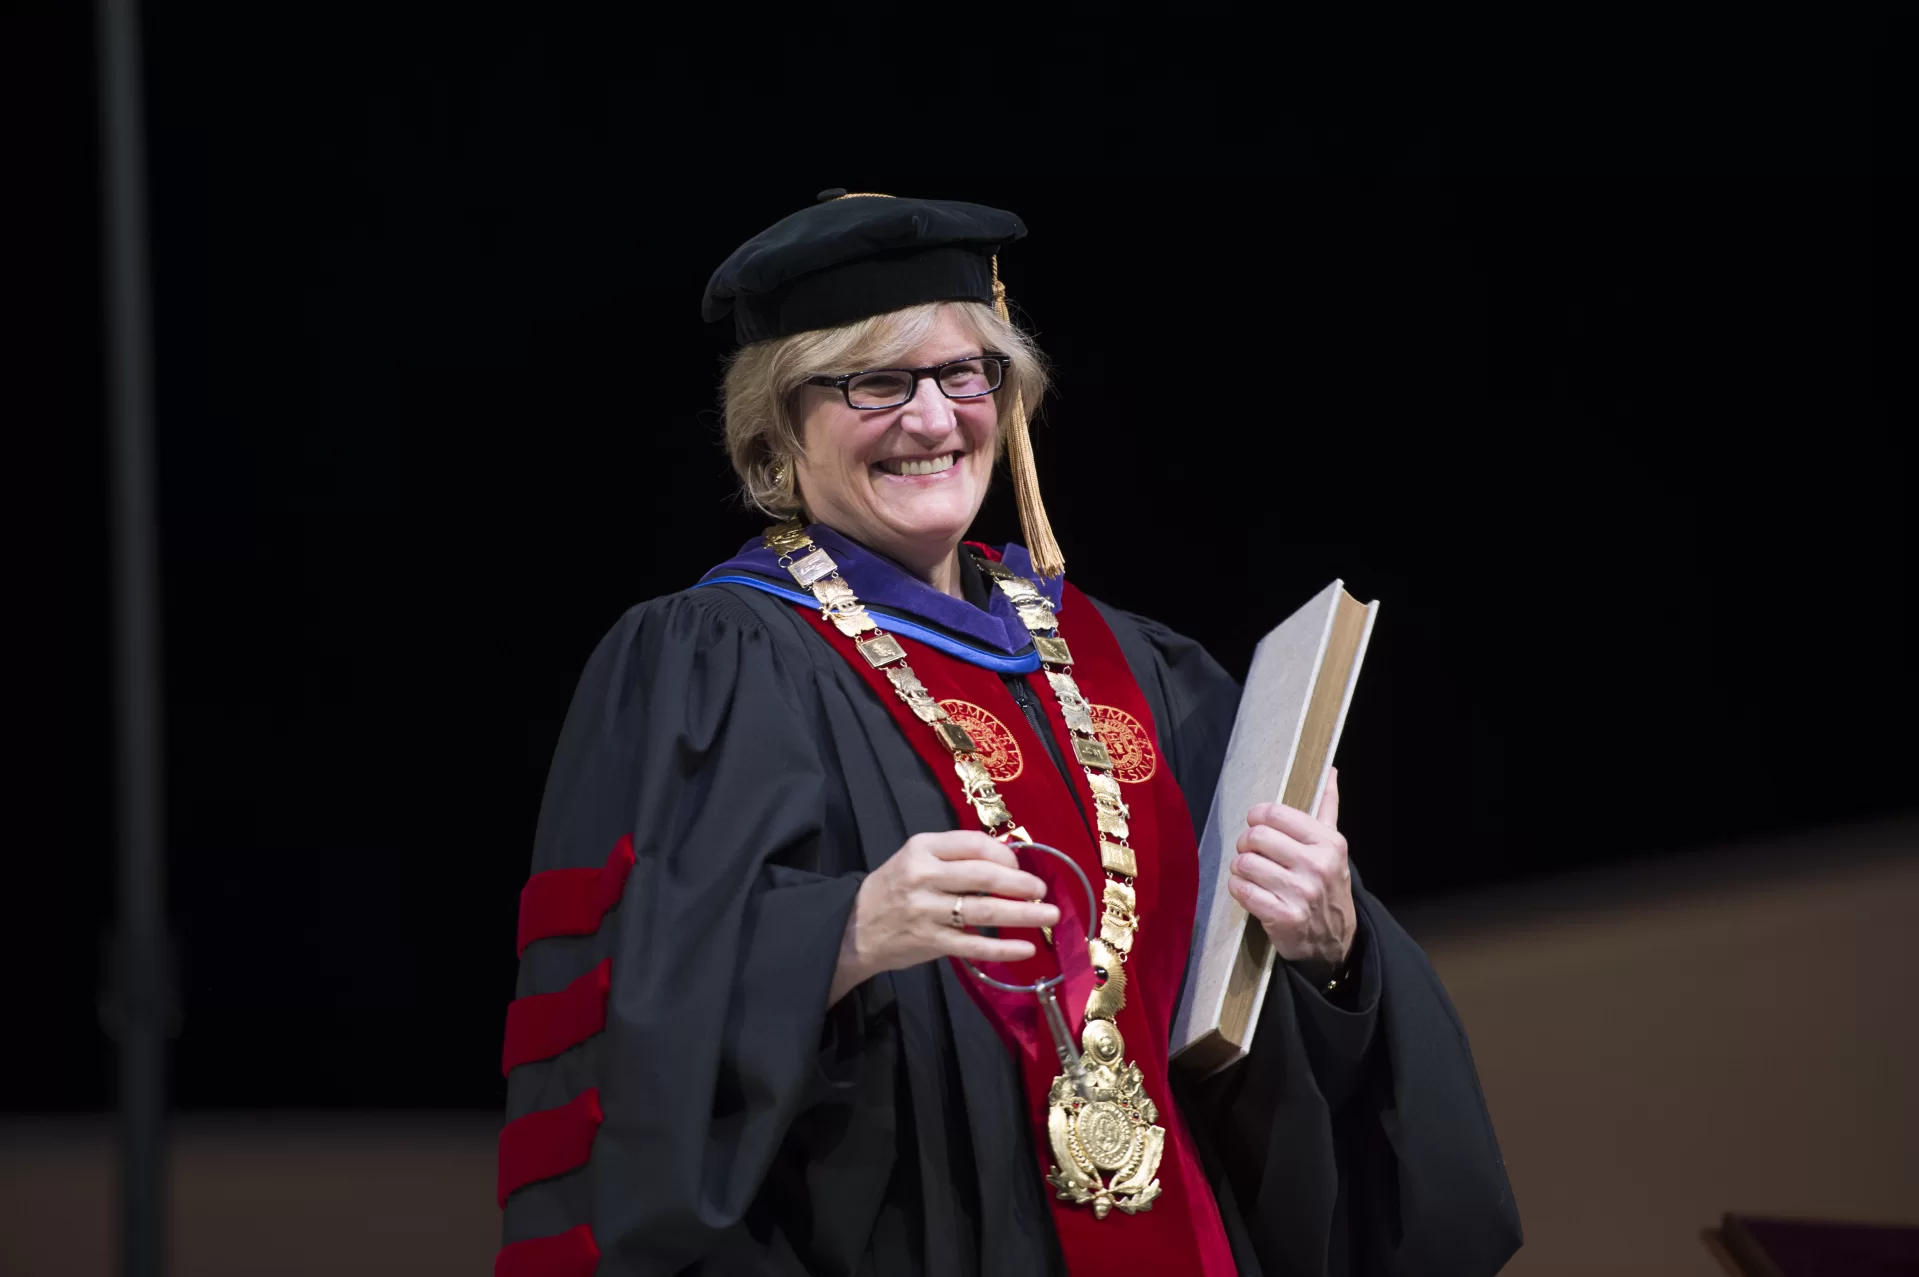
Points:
(757, 394)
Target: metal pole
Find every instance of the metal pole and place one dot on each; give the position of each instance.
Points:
(141, 952)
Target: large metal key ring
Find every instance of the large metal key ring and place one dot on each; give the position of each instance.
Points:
(1047, 991)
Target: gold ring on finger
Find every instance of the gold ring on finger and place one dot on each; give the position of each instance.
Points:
(959, 915)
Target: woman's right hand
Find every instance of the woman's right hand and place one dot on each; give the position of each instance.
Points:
(904, 912)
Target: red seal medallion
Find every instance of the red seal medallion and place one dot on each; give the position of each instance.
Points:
(993, 744)
(1134, 758)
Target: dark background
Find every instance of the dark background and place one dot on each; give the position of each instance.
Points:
(1575, 346)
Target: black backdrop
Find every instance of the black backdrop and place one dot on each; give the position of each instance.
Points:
(1571, 346)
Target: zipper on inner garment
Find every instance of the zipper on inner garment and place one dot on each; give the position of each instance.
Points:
(1036, 717)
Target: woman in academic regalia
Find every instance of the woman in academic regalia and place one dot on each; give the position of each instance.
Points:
(785, 807)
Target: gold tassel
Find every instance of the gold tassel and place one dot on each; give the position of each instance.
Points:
(1045, 551)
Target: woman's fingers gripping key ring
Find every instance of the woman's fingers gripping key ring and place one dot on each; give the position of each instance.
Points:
(1047, 991)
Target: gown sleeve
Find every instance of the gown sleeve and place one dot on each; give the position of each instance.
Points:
(1353, 1139)
(713, 1046)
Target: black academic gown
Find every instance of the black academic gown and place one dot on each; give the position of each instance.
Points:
(748, 1129)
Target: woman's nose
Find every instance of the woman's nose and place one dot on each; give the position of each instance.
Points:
(929, 413)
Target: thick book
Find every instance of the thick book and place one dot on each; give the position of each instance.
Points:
(1290, 717)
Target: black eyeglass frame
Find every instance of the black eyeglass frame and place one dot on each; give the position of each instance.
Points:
(843, 382)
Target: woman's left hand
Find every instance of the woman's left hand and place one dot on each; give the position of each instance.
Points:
(1291, 873)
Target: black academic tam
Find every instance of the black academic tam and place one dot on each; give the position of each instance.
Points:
(849, 257)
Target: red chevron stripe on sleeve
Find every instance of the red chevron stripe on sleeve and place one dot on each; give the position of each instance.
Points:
(541, 1025)
(572, 1253)
(571, 902)
(548, 1143)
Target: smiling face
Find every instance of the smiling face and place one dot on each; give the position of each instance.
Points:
(904, 481)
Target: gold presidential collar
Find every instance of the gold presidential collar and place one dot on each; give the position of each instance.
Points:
(1104, 1133)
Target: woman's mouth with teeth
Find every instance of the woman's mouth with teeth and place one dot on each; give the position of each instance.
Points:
(919, 465)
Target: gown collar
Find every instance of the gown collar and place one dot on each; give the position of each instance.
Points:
(885, 586)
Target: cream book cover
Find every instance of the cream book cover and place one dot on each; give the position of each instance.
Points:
(1290, 716)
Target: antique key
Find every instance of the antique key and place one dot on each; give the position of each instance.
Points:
(1069, 1062)
(1047, 991)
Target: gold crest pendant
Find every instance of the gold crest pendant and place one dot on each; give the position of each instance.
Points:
(1106, 1141)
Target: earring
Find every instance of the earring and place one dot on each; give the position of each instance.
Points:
(782, 471)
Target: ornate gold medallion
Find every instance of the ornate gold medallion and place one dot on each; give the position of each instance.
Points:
(1106, 1141)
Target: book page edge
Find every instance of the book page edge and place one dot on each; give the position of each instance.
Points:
(1346, 701)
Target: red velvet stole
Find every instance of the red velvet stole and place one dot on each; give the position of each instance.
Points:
(1181, 1232)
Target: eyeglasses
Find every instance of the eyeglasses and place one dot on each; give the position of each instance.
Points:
(890, 387)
